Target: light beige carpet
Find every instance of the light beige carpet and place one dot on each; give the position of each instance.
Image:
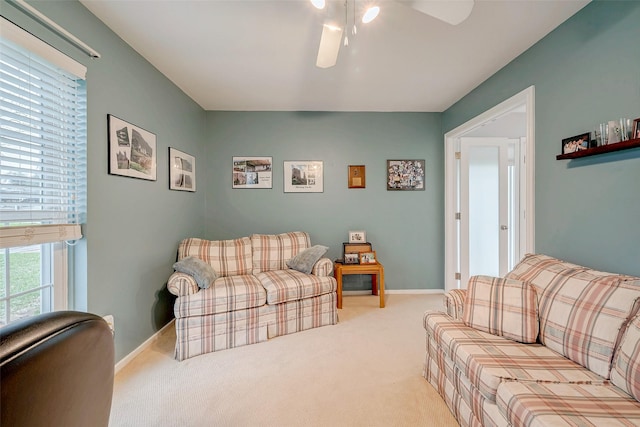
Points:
(364, 371)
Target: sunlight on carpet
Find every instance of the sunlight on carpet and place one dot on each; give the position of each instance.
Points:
(364, 371)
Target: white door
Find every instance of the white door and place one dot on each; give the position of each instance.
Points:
(488, 199)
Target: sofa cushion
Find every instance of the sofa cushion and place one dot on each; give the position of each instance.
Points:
(581, 315)
(541, 270)
(488, 360)
(272, 251)
(305, 260)
(290, 285)
(229, 293)
(201, 271)
(227, 257)
(502, 307)
(546, 404)
(626, 367)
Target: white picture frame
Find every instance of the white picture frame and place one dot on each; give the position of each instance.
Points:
(303, 176)
(182, 171)
(358, 236)
(252, 172)
(132, 150)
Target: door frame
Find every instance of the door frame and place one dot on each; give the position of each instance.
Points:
(524, 98)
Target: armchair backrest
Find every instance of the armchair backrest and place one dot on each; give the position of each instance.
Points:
(56, 369)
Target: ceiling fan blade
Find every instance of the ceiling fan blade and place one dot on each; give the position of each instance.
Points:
(329, 46)
(450, 11)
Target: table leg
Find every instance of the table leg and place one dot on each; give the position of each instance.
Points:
(381, 286)
(338, 276)
(374, 284)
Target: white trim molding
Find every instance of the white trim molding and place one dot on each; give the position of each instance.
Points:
(525, 98)
(152, 339)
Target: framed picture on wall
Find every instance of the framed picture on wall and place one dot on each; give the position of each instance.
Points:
(182, 171)
(252, 172)
(303, 176)
(357, 176)
(132, 150)
(405, 175)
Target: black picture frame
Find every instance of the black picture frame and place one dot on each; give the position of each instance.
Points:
(576, 143)
(182, 171)
(406, 175)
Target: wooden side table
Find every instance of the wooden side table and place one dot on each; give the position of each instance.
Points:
(376, 270)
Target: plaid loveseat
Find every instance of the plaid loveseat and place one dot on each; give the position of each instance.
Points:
(255, 297)
(550, 344)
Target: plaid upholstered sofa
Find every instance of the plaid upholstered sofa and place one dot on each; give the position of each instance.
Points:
(550, 344)
(256, 296)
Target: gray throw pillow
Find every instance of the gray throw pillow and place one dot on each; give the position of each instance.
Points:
(200, 270)
(305, 260)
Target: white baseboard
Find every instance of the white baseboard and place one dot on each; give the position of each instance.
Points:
(398, 291)
(153, 338)
(414, 291)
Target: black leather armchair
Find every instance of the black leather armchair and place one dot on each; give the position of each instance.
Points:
(56, 369)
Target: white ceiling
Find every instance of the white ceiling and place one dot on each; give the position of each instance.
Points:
(242, 55)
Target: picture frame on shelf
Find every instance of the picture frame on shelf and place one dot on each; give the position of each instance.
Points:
(576, 143)
(182, 171)
(303, 176)
(132, 150)
(357, 176)
(357, 236)
(252, 172)
(405, 175)
(351, 258)
(367, 258)
(636, 129)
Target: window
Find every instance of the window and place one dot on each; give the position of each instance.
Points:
(42, 172)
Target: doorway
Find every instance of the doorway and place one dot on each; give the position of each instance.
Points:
(489, 191)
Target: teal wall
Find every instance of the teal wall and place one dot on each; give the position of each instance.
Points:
(133, 226)
(585, 72)
(404, 227)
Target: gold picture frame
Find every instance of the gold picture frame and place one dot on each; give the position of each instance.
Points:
(368, 258)
(357, 176)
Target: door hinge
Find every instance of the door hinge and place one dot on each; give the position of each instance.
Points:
(457, 155)
(458, 276)
(458, 215)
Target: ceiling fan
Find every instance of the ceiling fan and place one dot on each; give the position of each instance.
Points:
(450, 11)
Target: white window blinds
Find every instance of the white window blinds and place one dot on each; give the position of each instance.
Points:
(42, 142)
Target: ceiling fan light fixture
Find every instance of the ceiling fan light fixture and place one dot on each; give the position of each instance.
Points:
(370, 14)
(318, 4)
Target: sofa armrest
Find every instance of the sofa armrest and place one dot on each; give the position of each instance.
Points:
(181, 284)
(323, 268)
(454, 302)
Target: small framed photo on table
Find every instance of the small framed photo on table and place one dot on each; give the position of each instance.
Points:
(367, 258)
(351, 259)
(357, 237)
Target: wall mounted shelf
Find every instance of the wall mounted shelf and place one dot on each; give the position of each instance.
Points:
(618, 146)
